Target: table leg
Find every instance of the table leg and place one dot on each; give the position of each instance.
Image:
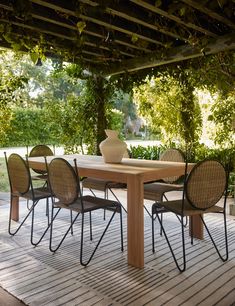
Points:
(135, 218)
(197, 227)
(15, 209)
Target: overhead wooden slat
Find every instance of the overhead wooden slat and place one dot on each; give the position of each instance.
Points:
(202, 8)
(173, 17)
(174, 55)
(119, 10)
(118, 36)
(98, 21)
(93, 31)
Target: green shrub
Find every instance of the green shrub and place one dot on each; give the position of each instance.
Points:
(28, 127)
(225, 156)
(4, 182)
(149, 152)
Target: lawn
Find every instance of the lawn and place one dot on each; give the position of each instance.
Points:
(4, 183)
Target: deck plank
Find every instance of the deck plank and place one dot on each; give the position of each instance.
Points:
(39, 277)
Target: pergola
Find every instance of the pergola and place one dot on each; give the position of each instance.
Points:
(118, 36)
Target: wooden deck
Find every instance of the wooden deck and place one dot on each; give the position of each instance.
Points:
(38, 277)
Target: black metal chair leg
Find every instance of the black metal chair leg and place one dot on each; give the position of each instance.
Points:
(153, 240)
(47, 211)
(51, 231)
(98, 243)
(191, 229)
(71, 221)
(22, 222)
(45, 231)
(122, 247)
(181, 269)
(147, 211)
(90, 219)
(118, 200)
(106, 197)
(226, 238)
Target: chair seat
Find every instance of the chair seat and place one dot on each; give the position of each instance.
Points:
(155, 191)
(39, 193)
(43, 177)
(99, 184)
(189, 210)
(90, 203)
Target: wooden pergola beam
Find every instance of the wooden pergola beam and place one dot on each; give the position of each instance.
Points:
(92, 31)
(157, 10)
(177, 54)
(119, 11)
(202, 8)
(98, 21)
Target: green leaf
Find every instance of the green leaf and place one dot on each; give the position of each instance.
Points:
(182, 11)
(16, 46)
(81, 26)
(158, 3)
(34, 57)
(2, 28)
(222, 3)
(134, 38)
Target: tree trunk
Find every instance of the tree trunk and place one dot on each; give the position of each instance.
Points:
(100, 100)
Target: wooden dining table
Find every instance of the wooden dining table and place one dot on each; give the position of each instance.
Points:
(133, 172)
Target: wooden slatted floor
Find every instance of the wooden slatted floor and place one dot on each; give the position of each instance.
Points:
(38, 277)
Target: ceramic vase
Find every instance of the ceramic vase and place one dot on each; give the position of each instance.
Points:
(112, 148)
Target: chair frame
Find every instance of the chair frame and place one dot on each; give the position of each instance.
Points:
(181, 215)
(116, 208)
(28, 193)
(165, 157)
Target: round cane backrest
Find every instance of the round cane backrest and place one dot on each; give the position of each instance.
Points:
(18, 174)
(40, 150)
(206, 184)
(174, 155)
(63, 180)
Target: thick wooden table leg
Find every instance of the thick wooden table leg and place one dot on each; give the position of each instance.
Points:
(135, 218)
(15, 209)
(197, 227)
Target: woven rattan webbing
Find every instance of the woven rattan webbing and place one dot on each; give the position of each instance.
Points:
(174, 155)
(18, 174)
(63, 181)
(40, 150)
(206, 184)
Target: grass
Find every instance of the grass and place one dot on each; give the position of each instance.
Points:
(4, 182)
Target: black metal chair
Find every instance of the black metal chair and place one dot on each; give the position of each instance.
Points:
(40, 175)
(104, 186)
(68, 196)
(21, 186)
(157, 191)
(203, 188)
(37, 151)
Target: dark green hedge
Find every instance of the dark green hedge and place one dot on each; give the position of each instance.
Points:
(29, 127)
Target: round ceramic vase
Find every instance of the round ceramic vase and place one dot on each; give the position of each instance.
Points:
(112, 148)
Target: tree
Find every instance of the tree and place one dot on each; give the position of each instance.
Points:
(223, 114)
(169, 106)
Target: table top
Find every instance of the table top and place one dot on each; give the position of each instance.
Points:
(94, 166)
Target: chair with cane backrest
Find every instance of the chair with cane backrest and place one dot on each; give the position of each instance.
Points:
(41, 175)
(157, 191)
(104, 185)
(21, 187)
(68, 196)
(203, 188)
(37, 151)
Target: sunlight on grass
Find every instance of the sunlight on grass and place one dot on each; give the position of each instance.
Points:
(4, 183)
